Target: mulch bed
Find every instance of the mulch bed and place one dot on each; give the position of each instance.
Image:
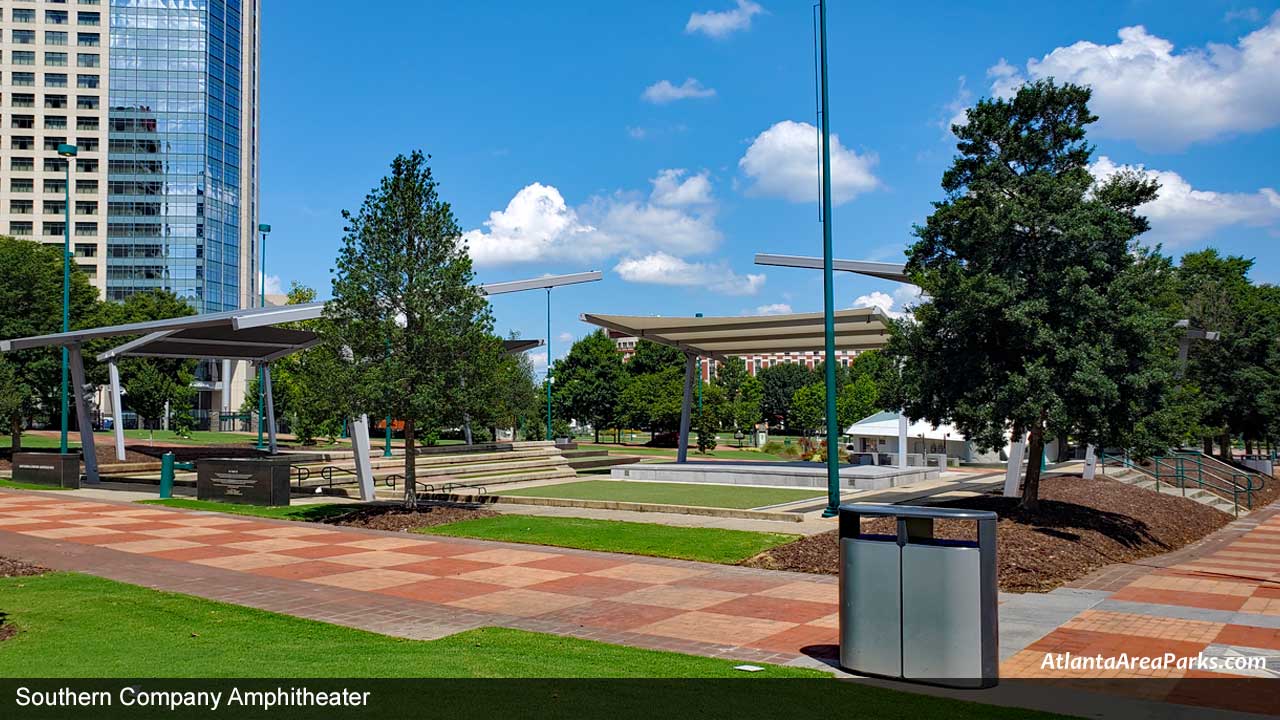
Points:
(1080, 526)
(10, 567)
(398, 519)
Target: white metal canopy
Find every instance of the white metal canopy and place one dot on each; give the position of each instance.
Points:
(883, 270)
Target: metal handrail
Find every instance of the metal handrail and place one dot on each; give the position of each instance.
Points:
(1174, 470)
(1226, 474)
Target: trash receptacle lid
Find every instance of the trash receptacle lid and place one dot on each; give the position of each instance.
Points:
(916, 511)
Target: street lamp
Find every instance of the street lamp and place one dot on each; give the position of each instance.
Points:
(262, 302)
(68, 152)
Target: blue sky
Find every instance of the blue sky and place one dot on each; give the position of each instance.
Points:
(667, 142)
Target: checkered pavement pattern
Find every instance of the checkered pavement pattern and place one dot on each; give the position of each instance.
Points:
(690, 607)
(1237, 582)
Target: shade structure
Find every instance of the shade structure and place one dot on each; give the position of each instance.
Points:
(717, 337)
(259, 344)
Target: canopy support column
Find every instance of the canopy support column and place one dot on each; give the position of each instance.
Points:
(686, 406)
(117, 416)
(360, 444)
(1014, 474)
(1090, 462)
(271, 408)
(87, 448)
(226, 394)
(902, 441)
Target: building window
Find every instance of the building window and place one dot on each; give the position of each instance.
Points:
(24, 100)
(55, 122)
(22, 79)
(55, 102)
(87, 229)
(55, 17)
(22, 142)
(88, 60)
(85, 165)
(87, 39)
(85, 102)
(55, 37)
(22, 37)
(19, 228)
(21, 185)
(86, 207)
(91, 271)
(22, 122)
(86, 187)
(55, 59)
(87, 81)
(23, 57)
(54, 207)
(85, 250)
(91, 19)
(24, 15)
(86, 123)
(55, 79)
(87, 144)
(55, 229)
(51, 142)
(21, 207)
(53, 165)
(22, 164)
(55, 186)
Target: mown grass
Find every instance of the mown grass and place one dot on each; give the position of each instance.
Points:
(702, 495)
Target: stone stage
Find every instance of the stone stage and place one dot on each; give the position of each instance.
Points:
(779, 474)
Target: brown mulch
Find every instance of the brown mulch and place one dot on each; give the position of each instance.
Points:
(1080, 526)
(398, 519)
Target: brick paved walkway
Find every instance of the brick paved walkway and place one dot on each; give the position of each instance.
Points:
(422, 587)
(1222, 597)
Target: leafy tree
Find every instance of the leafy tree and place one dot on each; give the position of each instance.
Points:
(746, 407)
(150, 390)
(652, 401)
(403, 282)
(520, 400)
(1043, 315)
(880, 368)
(708, 419)
(589, 382)
(651, 357)
(808, 409)
(730, 374)
(857, 400)
(31, 304)
(780, 382)
(14, 395)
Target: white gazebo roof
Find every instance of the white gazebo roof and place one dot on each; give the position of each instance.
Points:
(885, 424)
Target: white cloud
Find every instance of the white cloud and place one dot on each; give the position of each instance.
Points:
(663, 92)
(273, 285)
(1249, 14)
(538, 359)
(897, 305)
(660, 268)
(1145, 91)
(955, 109)
(538, 225)
(783, 161)
(637, 133)
(565, 337)
(1181, 214)
(774, 309)
(721, 24)
(669, 189)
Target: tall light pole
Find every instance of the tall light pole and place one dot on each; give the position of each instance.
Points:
(828, 283)
(547, 380)
(262, 302)
(68, 153)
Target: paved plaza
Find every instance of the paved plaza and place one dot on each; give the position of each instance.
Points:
(1218, 597)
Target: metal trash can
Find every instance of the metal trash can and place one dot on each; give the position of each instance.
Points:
(914, 607)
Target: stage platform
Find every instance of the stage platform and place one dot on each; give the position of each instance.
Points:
(780, 474)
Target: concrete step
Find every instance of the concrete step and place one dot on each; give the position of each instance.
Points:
(584, 453)
(488, 482)
(589, 463)
(1204, 497)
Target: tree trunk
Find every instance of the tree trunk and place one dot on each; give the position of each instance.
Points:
(410, 478)
(1226, 447)
(15, 433)
(1062, 449)
(1208, 446)
(1248, 446)
(596, 428)
(1031, 485)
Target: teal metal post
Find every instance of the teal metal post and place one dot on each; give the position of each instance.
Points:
(262, 302)
(828, 285)
(547, 380)
(67, 152)
(699, 377)
(166, 475)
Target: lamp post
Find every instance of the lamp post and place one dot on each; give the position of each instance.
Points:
(262, 302)
(386, 445)
(68, 153)
(547, 380)
(828, 284)
(699, 377)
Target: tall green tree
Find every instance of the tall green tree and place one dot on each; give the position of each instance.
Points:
(520, 400)
(31, 304)
(1043, 315)
(151, 391)
(730, 374)
(406, 308)
(808, 410)
(651, 357)
(780, 382)
(747, 405)
(857, 400)
(589, 382)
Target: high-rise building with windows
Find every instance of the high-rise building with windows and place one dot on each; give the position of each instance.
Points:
(160, 97)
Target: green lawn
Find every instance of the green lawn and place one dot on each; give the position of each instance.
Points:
(721, 496)
(76, 625)
(683, 543)
(312, 512)
(28, 486)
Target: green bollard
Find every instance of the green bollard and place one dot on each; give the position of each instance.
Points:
(166, 476)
